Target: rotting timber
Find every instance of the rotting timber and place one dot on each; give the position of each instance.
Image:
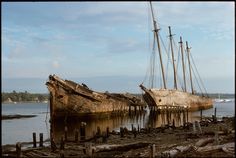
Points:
(69, 99)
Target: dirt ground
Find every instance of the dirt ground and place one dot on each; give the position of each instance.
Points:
(215, 139)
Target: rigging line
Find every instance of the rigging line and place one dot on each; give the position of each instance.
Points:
(196, 79)
(198, 74)
(149, 41)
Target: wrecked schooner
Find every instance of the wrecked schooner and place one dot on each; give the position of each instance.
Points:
(69, 99)
(168, 97)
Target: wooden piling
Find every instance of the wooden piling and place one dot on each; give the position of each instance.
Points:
(104, 137)
(82, 131)
(215, 116)
(135, 132)
(138, 128)
(18, 150)
(153, 151)
(98, 131)
(108, 132)
(53, 145)
(194, 128)
(66, 131)
(76, 135)
(121, 132)
(62, 143)
(132, 127)
(173, 125)
(201, 115)
(187, 115)
(34, 140)
(40, 139)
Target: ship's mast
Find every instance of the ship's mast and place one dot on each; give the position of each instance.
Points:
(190, 74)
(158, 44)
(182, 54)
(173, 58)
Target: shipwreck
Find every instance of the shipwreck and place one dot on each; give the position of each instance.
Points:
(178, 96)
(70, 99)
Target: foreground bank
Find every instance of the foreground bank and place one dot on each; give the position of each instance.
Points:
(207, 138)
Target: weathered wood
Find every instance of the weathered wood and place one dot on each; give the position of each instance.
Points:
(34, 140)
(215, 147)
(53, 145)
(135, 132)
(62, 143)
(89, 149)
(40, 139)
(18, 150)
(98, 131)
(108, 132)
(153, 151)
(204, 141)
(201, 115)
(66, 132)
(121, 132)
(82, 131)
(76, 135)
(123, 147)
(104, 137)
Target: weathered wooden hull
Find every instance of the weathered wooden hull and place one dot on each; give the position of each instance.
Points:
(68, 98)
(163, 97)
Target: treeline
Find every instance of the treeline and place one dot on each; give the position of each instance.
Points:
(23, 97)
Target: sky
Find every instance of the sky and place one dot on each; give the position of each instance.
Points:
(107, 45)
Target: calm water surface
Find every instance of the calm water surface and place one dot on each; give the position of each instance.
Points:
(20, 130)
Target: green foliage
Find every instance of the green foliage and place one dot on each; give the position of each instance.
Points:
(24, 96)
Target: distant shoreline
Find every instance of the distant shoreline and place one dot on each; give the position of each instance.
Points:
(9, 117)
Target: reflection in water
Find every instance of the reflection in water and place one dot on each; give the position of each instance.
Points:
(142, 120)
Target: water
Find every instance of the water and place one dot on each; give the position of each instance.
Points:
(20, 130)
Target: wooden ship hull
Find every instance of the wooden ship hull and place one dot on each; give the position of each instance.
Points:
(166, 97)
(69, 99)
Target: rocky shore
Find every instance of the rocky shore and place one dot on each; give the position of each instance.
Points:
(211, 139)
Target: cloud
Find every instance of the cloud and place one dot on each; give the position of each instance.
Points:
(55, 64)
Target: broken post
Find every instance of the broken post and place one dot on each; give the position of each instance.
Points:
(121, 132)
(201, 115)
(104, 137)
(89, 149)
(199, 127)
(215, 116)
(98, 131)
(173, 125)
(76, 135)
(82, 130)
(216, 142)
(40, 139)
(34, 140)
(18, 150)
(187, 114)
(53, 145)
(66, 131)
(135, 132)
(62, 143)
(153, 150)
(194, 128)
(108, 132)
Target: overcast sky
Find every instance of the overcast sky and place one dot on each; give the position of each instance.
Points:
(108, 39)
